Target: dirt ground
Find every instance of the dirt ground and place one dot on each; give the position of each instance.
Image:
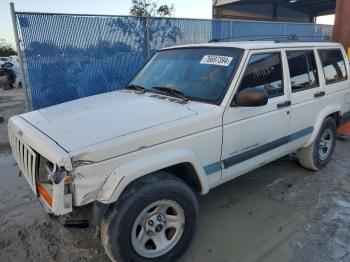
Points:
(280, 212)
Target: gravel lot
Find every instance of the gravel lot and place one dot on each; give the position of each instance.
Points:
(280, 212)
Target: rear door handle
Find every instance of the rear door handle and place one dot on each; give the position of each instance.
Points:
(284, 104)
(319, 94)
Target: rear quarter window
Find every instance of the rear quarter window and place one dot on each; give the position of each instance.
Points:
(333, 64)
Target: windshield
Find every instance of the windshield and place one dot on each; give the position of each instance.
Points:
(198, 73)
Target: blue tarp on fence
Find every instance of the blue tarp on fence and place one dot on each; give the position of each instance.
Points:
(72, 56)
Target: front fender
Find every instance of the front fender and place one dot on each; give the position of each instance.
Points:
(321, 117)
(125, 174)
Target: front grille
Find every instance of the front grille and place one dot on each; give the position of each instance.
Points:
(26, 159)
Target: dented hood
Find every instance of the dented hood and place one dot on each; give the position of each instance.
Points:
(92, 120)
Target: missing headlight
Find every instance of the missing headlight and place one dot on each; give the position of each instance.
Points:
(46, 168)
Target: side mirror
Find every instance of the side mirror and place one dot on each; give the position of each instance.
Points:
(251, 97)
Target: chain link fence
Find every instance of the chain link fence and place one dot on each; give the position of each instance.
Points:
(68, 56)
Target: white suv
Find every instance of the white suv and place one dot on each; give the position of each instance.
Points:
(193, 118)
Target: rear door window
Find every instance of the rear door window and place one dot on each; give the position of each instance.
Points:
(302, 70)
(264, 71)
(333, 65)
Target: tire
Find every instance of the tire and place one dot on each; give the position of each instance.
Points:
(311, 157)
(120, 227)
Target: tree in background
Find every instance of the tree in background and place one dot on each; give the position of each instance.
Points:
(6, 49)
(150, 8)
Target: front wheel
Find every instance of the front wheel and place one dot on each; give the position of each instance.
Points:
(154, 220)
(318, 154)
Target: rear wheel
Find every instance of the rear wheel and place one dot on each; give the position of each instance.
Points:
(318, 154)
(154, 220)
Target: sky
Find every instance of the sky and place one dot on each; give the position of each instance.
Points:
(326, 19)
(183, 8)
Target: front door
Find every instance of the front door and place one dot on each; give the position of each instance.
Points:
(253, 136)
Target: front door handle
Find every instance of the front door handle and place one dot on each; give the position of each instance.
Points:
(284, 104)
(319, 94)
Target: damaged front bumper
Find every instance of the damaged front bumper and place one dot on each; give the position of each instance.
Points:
(53, 184)
(28, 146)
(56, 197)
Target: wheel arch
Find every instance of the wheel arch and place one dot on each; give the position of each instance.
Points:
(337, 118)
(181, 163)
(333, 111)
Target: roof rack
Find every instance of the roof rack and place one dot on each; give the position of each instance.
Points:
(275, 38)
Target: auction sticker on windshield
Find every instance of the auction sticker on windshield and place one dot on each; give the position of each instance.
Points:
(216, 60)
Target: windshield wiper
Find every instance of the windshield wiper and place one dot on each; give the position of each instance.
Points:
(171, 91)
(136, 88)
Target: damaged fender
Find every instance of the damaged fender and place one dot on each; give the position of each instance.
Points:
(125, 174)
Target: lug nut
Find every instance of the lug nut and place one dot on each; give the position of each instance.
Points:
(150, 222)
(149, 232)
(159, 228)
(159, 217)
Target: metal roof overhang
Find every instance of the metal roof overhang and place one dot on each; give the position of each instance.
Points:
(312, 7)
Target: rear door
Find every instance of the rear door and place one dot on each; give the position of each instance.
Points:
(306, 94)
(253, 136)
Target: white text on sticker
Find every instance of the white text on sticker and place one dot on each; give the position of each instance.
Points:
(216, 60)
